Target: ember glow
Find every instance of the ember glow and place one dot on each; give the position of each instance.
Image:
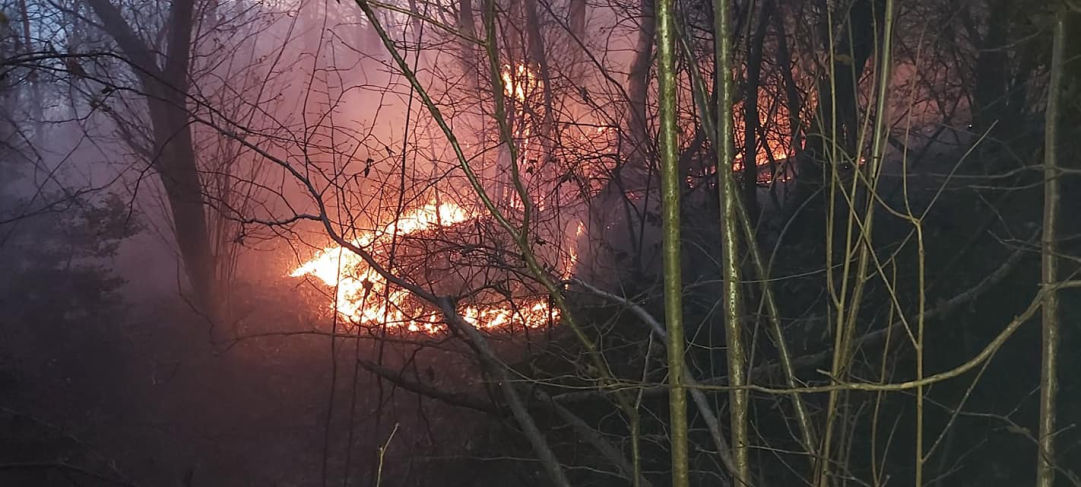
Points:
(773, 140)
(519, 82)
(364, 298)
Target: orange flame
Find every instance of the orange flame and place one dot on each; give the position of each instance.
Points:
(364, 298)
(519, 82)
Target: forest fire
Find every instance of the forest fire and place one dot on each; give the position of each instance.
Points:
(398, 242)
(364, 298)
(519, 82)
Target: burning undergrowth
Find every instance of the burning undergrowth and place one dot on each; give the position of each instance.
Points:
(449, 251)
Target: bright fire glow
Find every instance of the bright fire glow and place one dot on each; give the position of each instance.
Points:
(572, 253)
(518, 82)
(773, 141)
(364, 298)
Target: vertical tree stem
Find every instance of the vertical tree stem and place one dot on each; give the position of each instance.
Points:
(730, 229)
(1045, 467)
(673, 287)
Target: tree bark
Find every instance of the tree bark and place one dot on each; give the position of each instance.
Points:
(670, 193)
(1045, 466)
(732, 294)
(834, 130)
(638, 94)
(539, 56)
(165, 88)
(995, 84)
(750, 111)
(467, 27)
(576, 15)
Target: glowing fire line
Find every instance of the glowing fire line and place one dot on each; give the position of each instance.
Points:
(364, 298)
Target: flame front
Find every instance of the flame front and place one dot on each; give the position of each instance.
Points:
(519, 83)
(364, 298)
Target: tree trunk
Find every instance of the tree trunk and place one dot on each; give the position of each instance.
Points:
(732, 293)
(750, 111)
(670, 193)
(633, 170)
(638, 93)
(467, 27)
(1045, 464)
(837, 119)
(539, 56)
(576, 14)
(166, 89)
(992, 77)
(834, 132)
